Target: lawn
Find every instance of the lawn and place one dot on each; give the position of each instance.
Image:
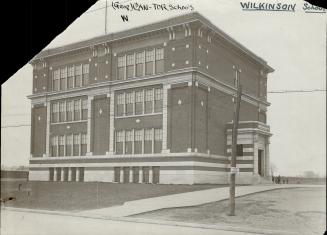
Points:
(76, 196)
(300, 210)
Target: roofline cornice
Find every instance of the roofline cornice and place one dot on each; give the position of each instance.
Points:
(188, 18)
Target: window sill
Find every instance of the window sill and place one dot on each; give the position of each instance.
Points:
(138, 115)
(69, 122)
(139, 77)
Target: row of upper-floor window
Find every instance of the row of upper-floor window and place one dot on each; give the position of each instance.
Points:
(138, 102)
(129, 65)
(69, 145)
(139, 141)
(72, 110)
(140, 64)
(139, 135)
(70, 77)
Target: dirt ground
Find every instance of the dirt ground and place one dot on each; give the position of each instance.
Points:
(76, 196)
(301, 210)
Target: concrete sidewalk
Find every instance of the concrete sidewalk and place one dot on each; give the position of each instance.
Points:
(183, 200)
(51, 222)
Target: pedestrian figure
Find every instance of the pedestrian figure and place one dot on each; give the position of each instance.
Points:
(273, 179)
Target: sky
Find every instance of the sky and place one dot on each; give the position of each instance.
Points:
(293, 43)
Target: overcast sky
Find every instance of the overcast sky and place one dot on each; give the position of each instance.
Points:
(293, 43)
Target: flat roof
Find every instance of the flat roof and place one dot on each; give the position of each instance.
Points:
(187, 18)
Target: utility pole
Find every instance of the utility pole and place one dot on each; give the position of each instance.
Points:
(105, 18)
(233, 170)
(97, 194)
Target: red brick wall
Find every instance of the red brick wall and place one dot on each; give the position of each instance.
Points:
(38, 132)
(220, 59)
(100, 125)
(180, 55)
(179, 119)
(40, 79)
(153, 121)
(74, 128)
(220, 111)
(248, 112)
(104, 64)
(201, 121)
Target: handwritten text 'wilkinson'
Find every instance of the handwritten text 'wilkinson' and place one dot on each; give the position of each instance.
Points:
(257, 6)
(153, 6)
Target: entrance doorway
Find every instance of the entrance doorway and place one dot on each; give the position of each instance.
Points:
(260, 155)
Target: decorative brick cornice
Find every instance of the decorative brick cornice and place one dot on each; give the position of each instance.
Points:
(156, 28)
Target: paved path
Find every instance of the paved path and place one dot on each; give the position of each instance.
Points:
(31, 223)
(183, 200)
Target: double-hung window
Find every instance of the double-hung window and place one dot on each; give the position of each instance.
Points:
(54, 144)
(83, 144)
(158, 100)
(63, 76)
(84, 109)
(55, 112)
(129, 142)
(120, 136)
(149, 60)
(121, 67)
(69, 111)
(138, 137)
(130, 66)
(148, 136)
(76, 144)
(139, 102)
(56, 80)
(119, 142)
(61, 145)
(158, 134)
(159, 60)
(120, 104)
(148, 101)
(157, 140)
(69, 145)
(85, 74)
(140, 64)
(78, 75)
(129, 103)
(77, 110)
(62, 111)
(70, 78)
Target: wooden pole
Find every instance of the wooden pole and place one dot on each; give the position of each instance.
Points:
(105, 18)
(234, 146)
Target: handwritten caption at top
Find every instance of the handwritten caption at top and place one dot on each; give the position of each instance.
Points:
(147, 7)
(153, 6)
(286, 7)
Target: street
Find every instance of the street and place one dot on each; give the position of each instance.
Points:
(29, 223)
